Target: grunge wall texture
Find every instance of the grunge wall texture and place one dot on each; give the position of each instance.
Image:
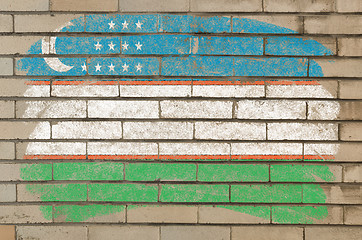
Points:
(180, 119)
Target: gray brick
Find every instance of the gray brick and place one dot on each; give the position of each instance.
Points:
(333, 233)
(6, 23)
(28, 5)
(226, 6)
(52, 232)
(7, 192)
(153, 5)
(6, 66)
(194, 232)
(298, 6)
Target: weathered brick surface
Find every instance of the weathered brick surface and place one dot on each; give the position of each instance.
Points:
(226, 6)
(52, 232)
(84, 5)
(153, 6)
(299, 6)
(7, 232)
(218, 120)
(324, 233)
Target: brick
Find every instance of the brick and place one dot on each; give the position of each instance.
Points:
(51, 109)
(305, 173)
(94, 213)
(51, 192)
(160, 172)
(194, 232)
(277, 193)
(52, 232)
(18, 5)
(88, 171)
(25, 130)
(19, 88)
(336, 24)
(335, 68)
(271, 109)
(194, 193)
(196, 109)
(126, 148)
(225, 6)
(350, 46)
(161, 214)
(85, 91)
(351, 132)
(123, 192)
(233, 173)
(17, 44)
(122, 109)
(262, 24)
(28, 172)
(326, 89)
(333, 233)
(302, 131)
(346, 152)
(48, 23)
(307, 215)
(352, 6)
(6, 66)
(155, 91)
(234, 214)
(323, 110)
(266, 149)
(7, 150)
(228, 91)
(84, 5)
(124, 232)
(7, 109)
(153, 6)
(350, 111)
(7, 232)
(50, 148)
(352, 215)
(297, 6)
(158, 130)
(7, 192)
(25, 214)
(267, 233)
(350, 89)
(6, 23)
(336, 194)
(296, 46)
(87, 130)
(230, 130)
(194, 149)
(352, 173)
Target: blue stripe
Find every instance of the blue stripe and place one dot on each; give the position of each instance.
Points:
(122, 23)
(246, 66)
(88, 45)
(197, 66)
(295, 46)
(245, 25)
(228, 45)
(148, 66)
(156, 44)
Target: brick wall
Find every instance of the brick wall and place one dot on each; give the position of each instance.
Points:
(228, 119)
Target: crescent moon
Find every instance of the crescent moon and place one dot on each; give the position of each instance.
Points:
(48, 47)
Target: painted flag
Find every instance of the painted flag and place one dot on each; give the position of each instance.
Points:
(178, 110)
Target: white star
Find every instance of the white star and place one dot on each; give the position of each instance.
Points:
(84, 67)
(139, 24)
(125, 46)
(111, 67)
(98, 46)
(111, 46)
(139, 66)
(98, 67)
(125, 67)
(111, 25)
(139, 45)
(125, 24)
